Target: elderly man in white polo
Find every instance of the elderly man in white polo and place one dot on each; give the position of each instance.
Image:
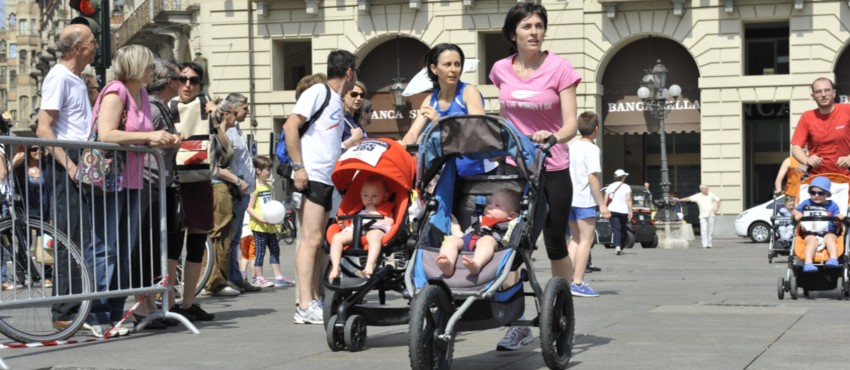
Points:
(709, 205)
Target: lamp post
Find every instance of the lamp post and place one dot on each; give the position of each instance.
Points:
(397, 88)
(655, 94)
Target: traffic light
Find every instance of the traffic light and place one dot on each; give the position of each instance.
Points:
(95, 14)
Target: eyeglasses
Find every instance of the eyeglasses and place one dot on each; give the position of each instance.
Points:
(817, 193)
(355, 94)
(192, 80)
(823, 91)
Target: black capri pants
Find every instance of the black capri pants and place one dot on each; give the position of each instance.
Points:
(558, 190)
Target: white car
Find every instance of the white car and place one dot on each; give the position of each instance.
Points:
(755, 224)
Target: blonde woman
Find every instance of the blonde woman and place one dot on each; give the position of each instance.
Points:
(116, 215)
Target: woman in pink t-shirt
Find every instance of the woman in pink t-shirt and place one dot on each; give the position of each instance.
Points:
(116, 215)
(537, 93)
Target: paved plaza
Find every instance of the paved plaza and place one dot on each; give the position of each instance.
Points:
(660, 309)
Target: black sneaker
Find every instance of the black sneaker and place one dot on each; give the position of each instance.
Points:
(234, 286)
(180, 311)
(199, 313)
(246, 287)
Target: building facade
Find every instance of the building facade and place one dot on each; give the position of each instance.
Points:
(745, 67)
(20, 46)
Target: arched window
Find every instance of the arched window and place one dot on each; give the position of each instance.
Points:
(13, 21)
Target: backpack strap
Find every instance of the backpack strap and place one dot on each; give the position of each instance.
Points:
(303, 129)
(175, 113)
(204, 113)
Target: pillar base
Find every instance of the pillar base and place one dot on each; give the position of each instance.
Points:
(670, 235)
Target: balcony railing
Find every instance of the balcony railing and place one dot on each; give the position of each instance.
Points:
(144, 16)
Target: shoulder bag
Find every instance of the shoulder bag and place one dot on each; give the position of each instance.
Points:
(610, 196)
(103, 169)
(196, 158)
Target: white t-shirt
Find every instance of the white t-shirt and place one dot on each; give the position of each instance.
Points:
(66, 93)
(320, 146)
(619, 202)
(584, 160)
(706, 203)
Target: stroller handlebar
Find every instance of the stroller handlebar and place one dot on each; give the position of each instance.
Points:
(362, 217)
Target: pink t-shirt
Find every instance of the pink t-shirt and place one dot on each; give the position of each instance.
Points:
(535, 104)
(138, 120)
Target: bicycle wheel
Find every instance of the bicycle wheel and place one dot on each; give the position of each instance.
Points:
(289, 230)
(34, 323)
(206, 269)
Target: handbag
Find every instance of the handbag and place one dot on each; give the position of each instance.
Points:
(610, 196)
(103, 169)
(44, 249)
(175, 215)
(198, 154)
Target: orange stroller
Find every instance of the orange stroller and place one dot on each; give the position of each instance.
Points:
(345, 313)
(826, 278)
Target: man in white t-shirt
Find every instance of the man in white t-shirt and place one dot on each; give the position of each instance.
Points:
(709, 205)
(620, 206)
(66, 114)
(585, 170)
(313, 158)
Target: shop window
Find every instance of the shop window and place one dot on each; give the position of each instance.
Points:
(766, 48)
(291, 60)
(766, 144)
(677, 143)
(493, 47)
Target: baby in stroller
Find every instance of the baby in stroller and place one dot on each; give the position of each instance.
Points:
(483, 237)
(784, 226)
(817, 232)
(375, 199)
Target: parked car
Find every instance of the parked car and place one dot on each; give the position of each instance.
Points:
(641, 228)
(754, 223)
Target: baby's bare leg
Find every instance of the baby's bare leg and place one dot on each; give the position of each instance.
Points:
(448, 255)
(831, 247)
(337, 242)
(373, 240)
(484, 249)
(811, 245)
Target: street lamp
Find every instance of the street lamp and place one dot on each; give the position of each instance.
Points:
(655, 95)
(397, 88)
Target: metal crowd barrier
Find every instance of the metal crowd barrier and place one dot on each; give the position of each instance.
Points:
(57, 272)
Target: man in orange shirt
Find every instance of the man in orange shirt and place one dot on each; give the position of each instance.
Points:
(826, 132)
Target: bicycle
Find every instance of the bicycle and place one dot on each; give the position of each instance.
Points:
(27, 322)
(288, 230)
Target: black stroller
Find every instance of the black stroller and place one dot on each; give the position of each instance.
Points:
(443, 306)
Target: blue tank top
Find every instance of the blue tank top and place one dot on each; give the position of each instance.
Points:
(465, 167)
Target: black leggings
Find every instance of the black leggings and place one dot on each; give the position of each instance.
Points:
(195, 246)
(558, 188)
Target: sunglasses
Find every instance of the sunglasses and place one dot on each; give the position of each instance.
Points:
(818, 193)
(192, 80)
(355, 94)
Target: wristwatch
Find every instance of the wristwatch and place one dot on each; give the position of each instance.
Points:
(297, 166)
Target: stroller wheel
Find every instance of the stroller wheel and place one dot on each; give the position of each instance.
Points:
(805, 292)
(355, 333)
(780, 288)
(792, 286)
(557, 324)
(332, 301)
(839, 288)
(429, 314)
(334, 335)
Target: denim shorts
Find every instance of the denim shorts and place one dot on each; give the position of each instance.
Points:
(579, 213)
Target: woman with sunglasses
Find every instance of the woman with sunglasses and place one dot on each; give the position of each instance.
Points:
(122, 115)
(353, 131)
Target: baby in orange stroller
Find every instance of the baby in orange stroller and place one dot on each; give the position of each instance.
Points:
(814, 231)
(376, 202)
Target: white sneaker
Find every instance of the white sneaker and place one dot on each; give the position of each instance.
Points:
(516, 337)
(619, 251)
(312, 315)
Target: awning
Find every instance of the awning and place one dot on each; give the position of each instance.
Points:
(629, 116)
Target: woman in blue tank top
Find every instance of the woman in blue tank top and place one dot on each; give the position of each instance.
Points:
(451, 96)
